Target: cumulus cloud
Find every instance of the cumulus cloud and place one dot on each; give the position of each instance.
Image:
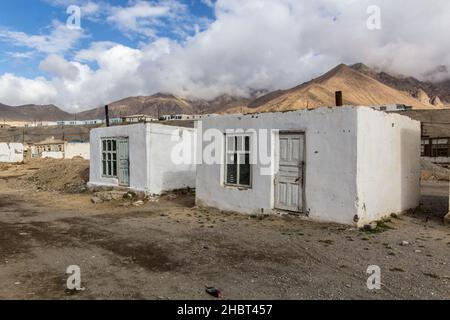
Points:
(59, 40)
(253, 44)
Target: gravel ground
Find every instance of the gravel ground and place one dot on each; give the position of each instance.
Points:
(170, 249)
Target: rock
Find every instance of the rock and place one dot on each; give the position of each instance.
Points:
(422, 96)
(371, 226)
(404, 243)
(447, 219)
(417, 251)
(96, 200)
(436, 101)
(138, 203)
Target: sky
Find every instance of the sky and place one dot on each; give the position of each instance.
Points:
(80, 54)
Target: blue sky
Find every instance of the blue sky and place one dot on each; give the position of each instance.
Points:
(206, 48)
(37, 17)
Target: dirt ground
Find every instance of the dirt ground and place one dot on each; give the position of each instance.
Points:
(170, 249)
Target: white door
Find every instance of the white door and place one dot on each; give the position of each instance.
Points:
(124, 162)
(289, 180)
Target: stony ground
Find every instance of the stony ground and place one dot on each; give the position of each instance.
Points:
(169, 249)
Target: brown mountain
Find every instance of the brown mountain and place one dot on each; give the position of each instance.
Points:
(358, 88)
(162, 104)
(33, 113)
(410, 85)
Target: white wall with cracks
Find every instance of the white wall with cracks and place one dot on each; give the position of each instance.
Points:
(11, 152)
(361, 164)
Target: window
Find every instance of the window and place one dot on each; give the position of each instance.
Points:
(109, 158)
(237, 161)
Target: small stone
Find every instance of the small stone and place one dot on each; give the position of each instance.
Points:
(96, 200)
(417, 251)
(404, 243)
(138, 203)
(370, 227)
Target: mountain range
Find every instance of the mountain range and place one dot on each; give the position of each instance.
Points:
(360, 84)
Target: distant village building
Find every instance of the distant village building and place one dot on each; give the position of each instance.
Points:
(349, 165)
(11, 152)
(138, 156)
(392, 107)
(59, 149)
(185, 117)
(137, 119)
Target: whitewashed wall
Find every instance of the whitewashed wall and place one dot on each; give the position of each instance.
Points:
(151, 169)
(11, 152)
(73, 150)
(336, 153)
(388, 164)
(52, 155)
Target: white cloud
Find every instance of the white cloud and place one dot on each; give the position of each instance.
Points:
(18, 90)
(59, 40)
(252, 44)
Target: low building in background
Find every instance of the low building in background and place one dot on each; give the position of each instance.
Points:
(137, 119)
(11, 152)
(59, 149)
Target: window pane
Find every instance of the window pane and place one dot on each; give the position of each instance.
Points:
(104, 145)
(109, 145)
(114, 156)
(103, 156)
(244, 174)
(231, 158)
(239, 145)
(114, 145)
(247, 143)
(230, 144)
(104, 168)
(114, 168)
(109, 169)
(232, 174)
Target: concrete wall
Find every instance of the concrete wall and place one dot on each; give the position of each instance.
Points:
(388, 164)
(358, 165)
(53, 154)
(11, 152)
(330, 172)
(172, 158)
(73, 150)
(151, 169)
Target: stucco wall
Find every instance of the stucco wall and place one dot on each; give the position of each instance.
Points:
(53, 154)
(11, 152)
(172, 158)
(330, 172)
(388, 164)
(359, 163)
(151, 168)
(73, 150)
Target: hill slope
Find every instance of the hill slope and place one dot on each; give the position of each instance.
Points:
(358, 89)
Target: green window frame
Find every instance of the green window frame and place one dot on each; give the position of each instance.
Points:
(109, 158)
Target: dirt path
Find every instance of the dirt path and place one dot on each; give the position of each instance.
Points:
(170, 250)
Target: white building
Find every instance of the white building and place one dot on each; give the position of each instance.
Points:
(145, 157)
(349, 165)
(59, 149)
(11, 152)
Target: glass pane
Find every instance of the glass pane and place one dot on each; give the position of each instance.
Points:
(114, 165)
(104, 145)
(114, 156)
(109, 157)
(104, 168)
(103, 156)
(239, 145)
(231, 158)
(109, 169)
(247, 143)
(244, 174)
(109, 145)
(114, 145)
(231, 174)
(230, 144)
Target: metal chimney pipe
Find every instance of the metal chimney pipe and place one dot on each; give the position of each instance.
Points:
(339, 100)
(107, 115)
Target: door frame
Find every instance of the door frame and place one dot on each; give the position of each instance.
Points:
(303, 184)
